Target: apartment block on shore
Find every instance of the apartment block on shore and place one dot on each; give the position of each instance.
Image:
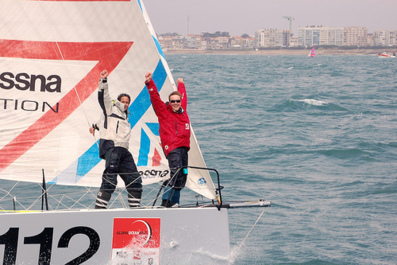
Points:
(274, 38)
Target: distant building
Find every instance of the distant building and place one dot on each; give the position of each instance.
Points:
(223, 42)
(193, 42)
(332, 36)
(324, 36)
(266, 38)
(293, 42)
(355, 36)
(237, 42)
(172, 42)
(287, 35)
(384, 38)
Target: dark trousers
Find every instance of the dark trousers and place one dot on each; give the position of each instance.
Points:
(119, 161)
(177, 159)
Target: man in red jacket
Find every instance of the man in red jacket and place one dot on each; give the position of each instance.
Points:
(174, 135)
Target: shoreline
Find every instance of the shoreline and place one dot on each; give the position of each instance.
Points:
(319, 51)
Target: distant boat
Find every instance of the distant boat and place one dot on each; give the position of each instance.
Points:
(312, 53)
(386, 55)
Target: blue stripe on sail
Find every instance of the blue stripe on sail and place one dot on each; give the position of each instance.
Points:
(140, 5)
(142, 102)
(88, 160)
(154, 128)
(158, 46)
(154, 38)
(159, 77)
(144, 149)
(145, 144)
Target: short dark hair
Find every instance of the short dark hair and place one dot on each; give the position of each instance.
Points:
(124, 95)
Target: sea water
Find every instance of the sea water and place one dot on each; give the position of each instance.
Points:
(315, 136)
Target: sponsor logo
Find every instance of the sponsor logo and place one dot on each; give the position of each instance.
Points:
(136, 240)
(201, 182)
(150, 174)
(187, 126)
(136, 232)
(140, 232)
(24, 81)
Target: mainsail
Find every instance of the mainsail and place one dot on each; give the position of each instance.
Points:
(51, 54)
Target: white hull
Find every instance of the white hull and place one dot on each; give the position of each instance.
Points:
(152, 236)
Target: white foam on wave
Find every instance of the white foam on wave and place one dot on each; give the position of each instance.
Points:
(212, 256)
(314, 102)
(196, 257)
(235, 252)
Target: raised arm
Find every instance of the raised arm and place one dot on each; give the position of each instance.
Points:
(159, 106)
(103, 93)
(182, 90)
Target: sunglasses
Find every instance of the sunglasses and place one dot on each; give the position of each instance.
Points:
(175, 101)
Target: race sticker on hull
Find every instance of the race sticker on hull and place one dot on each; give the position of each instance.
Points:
(136, 241)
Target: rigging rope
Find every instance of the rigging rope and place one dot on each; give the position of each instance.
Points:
(66, 67)
(249, 232)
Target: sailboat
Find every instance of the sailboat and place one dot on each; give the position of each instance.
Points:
(312, 53)
(51, 53)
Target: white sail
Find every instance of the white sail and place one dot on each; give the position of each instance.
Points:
(51, 54)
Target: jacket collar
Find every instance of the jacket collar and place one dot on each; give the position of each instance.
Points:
(120, 106)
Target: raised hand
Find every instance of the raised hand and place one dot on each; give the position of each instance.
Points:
(148, 76)
(104, 74)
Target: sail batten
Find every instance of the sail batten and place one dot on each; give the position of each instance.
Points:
(51, 59)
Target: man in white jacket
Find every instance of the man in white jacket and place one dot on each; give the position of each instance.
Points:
(115, 132)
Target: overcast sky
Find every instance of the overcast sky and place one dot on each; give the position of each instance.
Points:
(245, 16)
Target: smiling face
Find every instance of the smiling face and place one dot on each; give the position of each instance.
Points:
(175, 101)
(126, 101)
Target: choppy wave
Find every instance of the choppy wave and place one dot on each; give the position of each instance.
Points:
(306, 104)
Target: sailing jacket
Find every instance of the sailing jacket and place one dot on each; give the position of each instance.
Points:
(114, 127)
(174, 126)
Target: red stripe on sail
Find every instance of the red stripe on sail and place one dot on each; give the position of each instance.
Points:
(108, 55)
(156, 159)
